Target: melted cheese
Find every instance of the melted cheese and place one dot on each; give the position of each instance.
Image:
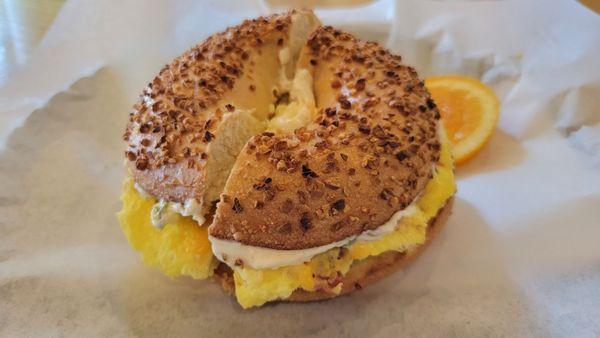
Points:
(180, 248)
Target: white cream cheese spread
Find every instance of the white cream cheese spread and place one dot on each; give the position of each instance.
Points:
(164, 212)
(265, 258)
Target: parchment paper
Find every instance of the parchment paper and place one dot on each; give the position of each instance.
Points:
(519, 257)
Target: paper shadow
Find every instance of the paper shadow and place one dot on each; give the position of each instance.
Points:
(60, 164)
(502, 152)
(557, 253)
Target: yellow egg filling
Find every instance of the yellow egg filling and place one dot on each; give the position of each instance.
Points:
(180, 248)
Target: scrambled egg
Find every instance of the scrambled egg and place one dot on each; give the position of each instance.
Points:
(256, 287)
(182, 246)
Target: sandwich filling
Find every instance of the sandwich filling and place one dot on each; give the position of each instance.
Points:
(182, 247)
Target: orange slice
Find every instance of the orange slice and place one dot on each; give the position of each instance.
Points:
(469, 112)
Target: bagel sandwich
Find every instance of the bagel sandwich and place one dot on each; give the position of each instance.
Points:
(286, 160)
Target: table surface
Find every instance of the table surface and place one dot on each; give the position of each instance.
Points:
(23, 24)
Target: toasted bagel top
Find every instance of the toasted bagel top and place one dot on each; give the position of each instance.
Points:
(228, 80)
(368, 153)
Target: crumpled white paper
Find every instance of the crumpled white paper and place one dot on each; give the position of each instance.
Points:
(519, 257)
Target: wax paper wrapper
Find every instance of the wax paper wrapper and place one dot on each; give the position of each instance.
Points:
(520, 255)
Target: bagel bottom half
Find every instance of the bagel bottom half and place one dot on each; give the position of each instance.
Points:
(362, 273)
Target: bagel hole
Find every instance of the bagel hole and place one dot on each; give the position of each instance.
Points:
(296, 107)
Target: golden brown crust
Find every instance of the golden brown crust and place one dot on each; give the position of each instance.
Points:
(179, 113)
(367, 155)
(361, 273)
